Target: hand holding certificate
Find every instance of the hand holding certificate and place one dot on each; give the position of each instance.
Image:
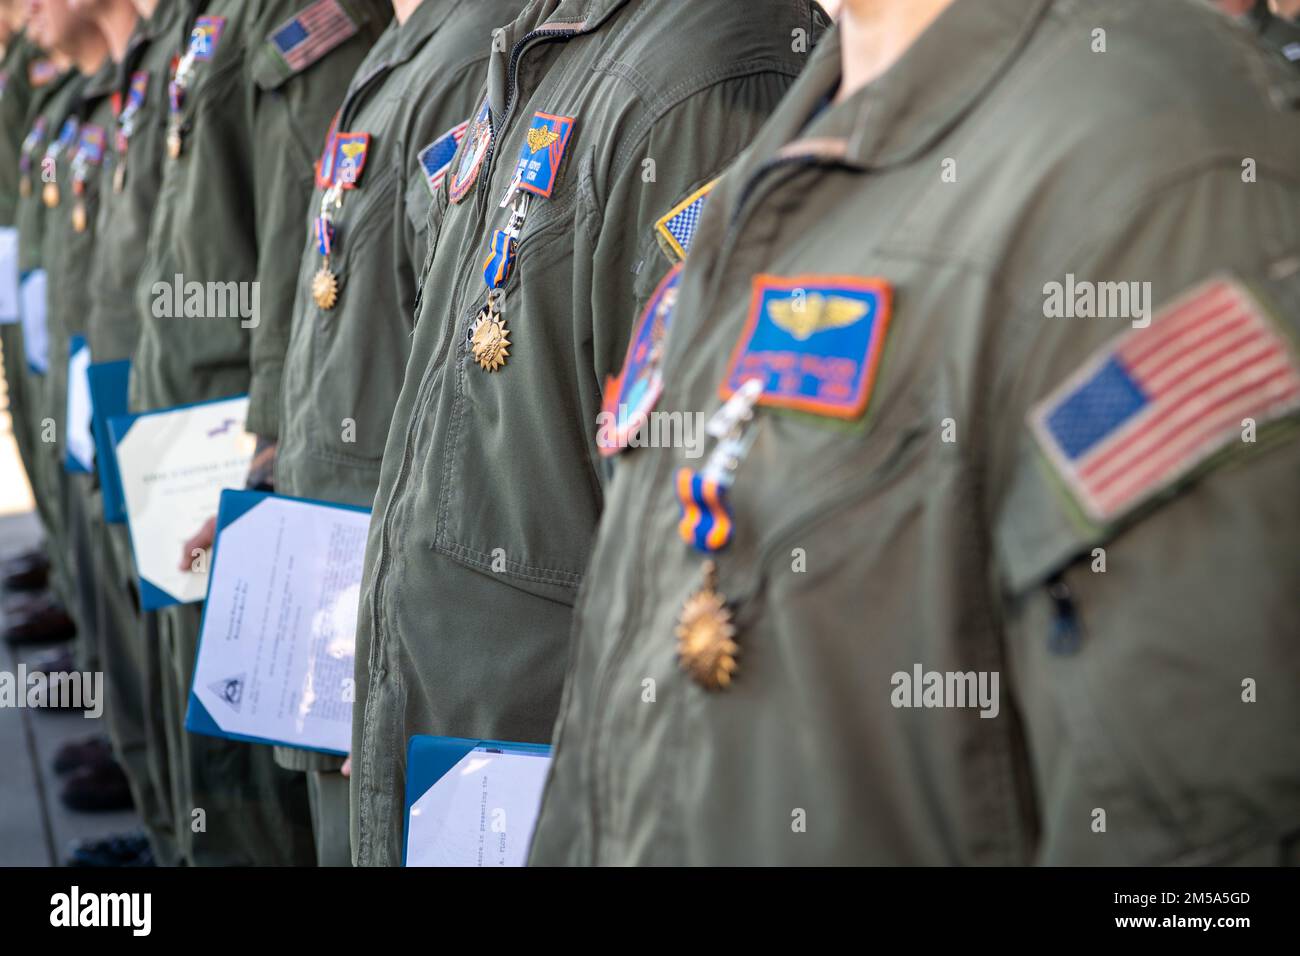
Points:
(173, 465)
(279, 629)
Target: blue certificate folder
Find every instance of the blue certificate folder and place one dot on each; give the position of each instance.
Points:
(108, 385)
(152, 597)
(428, 759)
(234, 505)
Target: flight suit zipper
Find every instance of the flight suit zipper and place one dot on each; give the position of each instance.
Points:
(379, 637)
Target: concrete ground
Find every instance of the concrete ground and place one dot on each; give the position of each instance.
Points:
(35, 828)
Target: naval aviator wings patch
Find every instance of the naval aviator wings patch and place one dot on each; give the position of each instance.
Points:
(814, 341)
(311, 34)
(1146, 411)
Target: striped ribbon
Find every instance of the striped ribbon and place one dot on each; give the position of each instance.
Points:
(706, 519)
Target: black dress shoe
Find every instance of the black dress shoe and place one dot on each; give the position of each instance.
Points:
(126, 849)
(41, 624)
(97, 789)
(27, 572)
(79, 754)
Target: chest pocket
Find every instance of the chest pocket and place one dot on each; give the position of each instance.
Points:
(359, 348)
(519, 493)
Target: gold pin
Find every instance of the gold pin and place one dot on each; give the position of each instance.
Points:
(325, 288)
(490, 340)
(50, 195)
(706, 646)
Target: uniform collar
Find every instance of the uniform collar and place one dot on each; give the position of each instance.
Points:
(564, 16)
(424, 21)
(894, 119)
(102, 82)
(161, 22)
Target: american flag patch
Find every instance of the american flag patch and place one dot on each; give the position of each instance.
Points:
(1156, 403)
(313, 33)
(437, 156)
(677, 228)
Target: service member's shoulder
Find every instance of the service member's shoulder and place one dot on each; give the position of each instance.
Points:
(666, 51)
(290, 37)
(1161, 77)
(1109, 107)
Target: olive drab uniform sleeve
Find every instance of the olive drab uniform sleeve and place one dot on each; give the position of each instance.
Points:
(297, 87)
(1147, 554)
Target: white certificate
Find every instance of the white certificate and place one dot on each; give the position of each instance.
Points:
(80, 437)
(481, 812)
(36, 336)
(279, 627)
(9, 307)
(174, 464)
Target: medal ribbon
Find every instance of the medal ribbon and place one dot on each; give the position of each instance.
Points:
(505, 245)
(500, 260)
(706, 523)
(35, 137)
(324, 235)
(706, 519)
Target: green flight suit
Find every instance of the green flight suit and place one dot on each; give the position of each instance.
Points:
(999, 155)
(23, 90)
(232, 207)
(51, 102)
(67, 246)
(491, 482)
(128, 194)
(343, 369)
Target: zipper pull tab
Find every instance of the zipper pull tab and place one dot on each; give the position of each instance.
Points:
(1067, 632)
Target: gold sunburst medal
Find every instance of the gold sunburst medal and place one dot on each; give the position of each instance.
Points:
(50, 195)
(490, 341)
(706, 646)
(325, 288)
